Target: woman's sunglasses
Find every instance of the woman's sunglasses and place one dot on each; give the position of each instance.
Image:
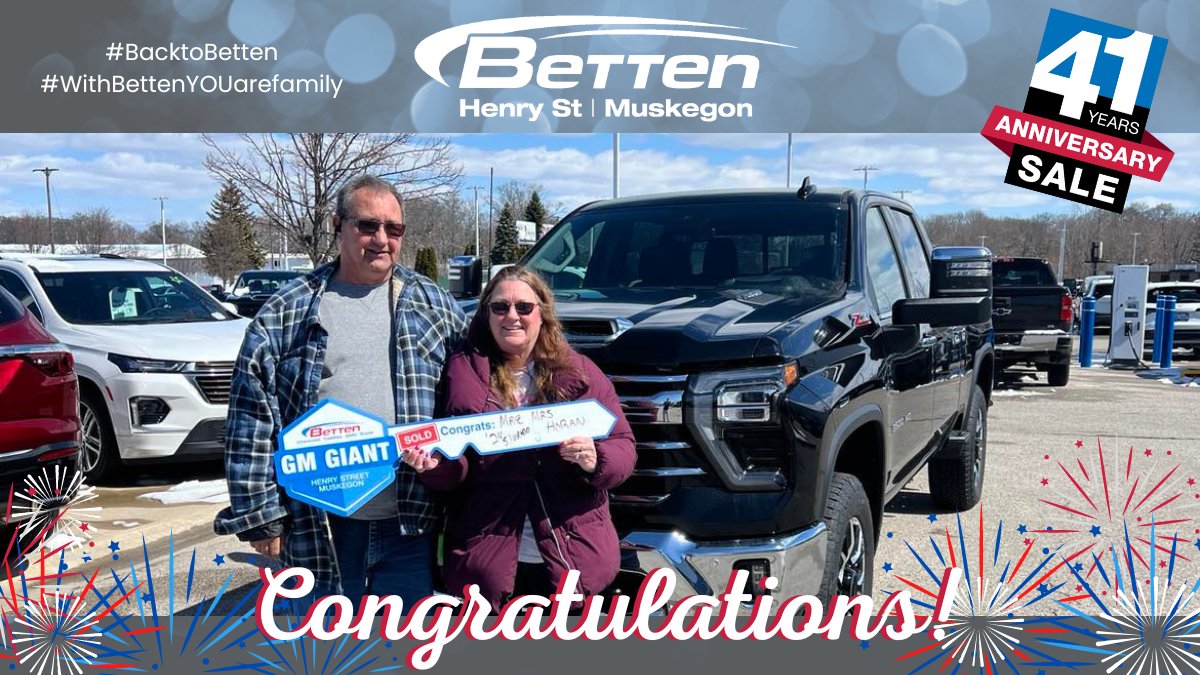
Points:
(501, 308)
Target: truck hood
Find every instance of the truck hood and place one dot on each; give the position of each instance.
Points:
(200, 341)
(675, 328)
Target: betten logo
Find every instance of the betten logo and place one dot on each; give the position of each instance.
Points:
(490, 46)
(331, 429)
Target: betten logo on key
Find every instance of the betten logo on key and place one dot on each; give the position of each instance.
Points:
(332, 430)
(510, 60)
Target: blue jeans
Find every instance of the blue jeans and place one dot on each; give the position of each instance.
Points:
(375, 559)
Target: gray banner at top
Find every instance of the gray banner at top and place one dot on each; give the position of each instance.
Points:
(612, 65)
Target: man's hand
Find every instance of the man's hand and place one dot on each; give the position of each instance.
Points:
(271, 547)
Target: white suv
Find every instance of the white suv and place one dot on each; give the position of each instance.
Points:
(154, 353)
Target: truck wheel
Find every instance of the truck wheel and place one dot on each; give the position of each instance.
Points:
(1059, 375)
(850, 552)
(98, 456)
(956, 483)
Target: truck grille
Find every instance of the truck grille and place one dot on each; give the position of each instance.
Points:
(213, 379)
(667, 454)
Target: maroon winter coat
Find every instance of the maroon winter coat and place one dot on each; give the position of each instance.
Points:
(492, 495)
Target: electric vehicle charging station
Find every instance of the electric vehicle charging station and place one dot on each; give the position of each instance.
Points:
(1128, 331)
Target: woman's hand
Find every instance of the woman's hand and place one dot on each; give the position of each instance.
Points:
(579, 450)
(420, 460)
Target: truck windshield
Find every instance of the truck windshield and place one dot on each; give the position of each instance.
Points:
(780, 248)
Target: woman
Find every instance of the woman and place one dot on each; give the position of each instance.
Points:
(517, 521)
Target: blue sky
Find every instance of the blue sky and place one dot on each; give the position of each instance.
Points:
(943, 172)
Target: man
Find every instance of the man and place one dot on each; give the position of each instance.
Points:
(368, 332)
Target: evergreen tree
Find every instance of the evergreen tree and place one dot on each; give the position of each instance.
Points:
(506, 250)
(427, 263)
(469, 249)
(228, 240)
(535, 212)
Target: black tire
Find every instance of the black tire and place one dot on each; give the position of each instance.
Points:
(956, 483)
(850, 549)
(98, 454)
(1059, 375)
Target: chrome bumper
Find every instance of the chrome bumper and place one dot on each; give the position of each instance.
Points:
(703, 568)
(1034, 341)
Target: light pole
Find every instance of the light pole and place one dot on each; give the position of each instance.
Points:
(476, 189)
(162, 223)
(49, 213)
(982, 240)
(789, 160)
(1062, 249)
(866, 169)
(1135, 236)
(616, 165)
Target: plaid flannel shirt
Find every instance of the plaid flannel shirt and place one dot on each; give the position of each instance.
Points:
(275, 382)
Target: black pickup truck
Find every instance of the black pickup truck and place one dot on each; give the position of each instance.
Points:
(788, 360)
(1031, 313)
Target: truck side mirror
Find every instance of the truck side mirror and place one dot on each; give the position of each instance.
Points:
(961, 272)
(942, 312)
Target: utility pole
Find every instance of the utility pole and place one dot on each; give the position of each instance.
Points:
(476, 189)
(616, 165)
(49, 213)
(903, 192)
(162, 222)
(866, 169)
(491, 209)
(983, 240)
(1135, 236)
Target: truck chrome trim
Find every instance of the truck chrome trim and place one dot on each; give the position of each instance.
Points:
(797, 560)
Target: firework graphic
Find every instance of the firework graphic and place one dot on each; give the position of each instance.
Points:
(982, 630)
(1148, 623)
(54, 635)
(50, 509)
(1094, 495)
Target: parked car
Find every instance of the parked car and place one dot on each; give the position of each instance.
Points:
(1031, 314)
(153, 351)
(1101, 289)
(1187, 313)
(788, 361)
(254, 287)
(39, 406)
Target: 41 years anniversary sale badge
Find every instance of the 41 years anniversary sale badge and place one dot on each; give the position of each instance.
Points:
(1082, 133)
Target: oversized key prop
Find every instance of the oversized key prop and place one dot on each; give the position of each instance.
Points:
(336, 457)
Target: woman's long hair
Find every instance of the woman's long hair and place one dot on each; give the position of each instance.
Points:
(551, 354)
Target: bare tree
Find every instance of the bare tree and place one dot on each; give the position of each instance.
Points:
(292, 179)
(97, 231)
(442, 222)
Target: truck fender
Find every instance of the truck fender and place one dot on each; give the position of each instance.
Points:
(831, 448)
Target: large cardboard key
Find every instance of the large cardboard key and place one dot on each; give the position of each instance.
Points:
(337, 457)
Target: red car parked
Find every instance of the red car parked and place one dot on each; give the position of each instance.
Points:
(39, 410)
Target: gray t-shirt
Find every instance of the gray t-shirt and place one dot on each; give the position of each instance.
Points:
(358, 363)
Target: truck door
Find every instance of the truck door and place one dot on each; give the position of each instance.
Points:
(951, 359)
(907, 373)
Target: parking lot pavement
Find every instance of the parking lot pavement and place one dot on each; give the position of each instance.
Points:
(1028, 421)
(1032, 428)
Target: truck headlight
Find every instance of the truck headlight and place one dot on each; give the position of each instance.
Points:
(133, 364)
(753, 399)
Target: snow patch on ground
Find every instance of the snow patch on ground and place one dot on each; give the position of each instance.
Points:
(209, 492)
(1017, 393)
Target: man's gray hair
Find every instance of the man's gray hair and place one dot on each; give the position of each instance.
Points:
(363, 182)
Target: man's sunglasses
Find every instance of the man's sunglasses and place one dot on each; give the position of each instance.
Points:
(501, 308)
(366, 226)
